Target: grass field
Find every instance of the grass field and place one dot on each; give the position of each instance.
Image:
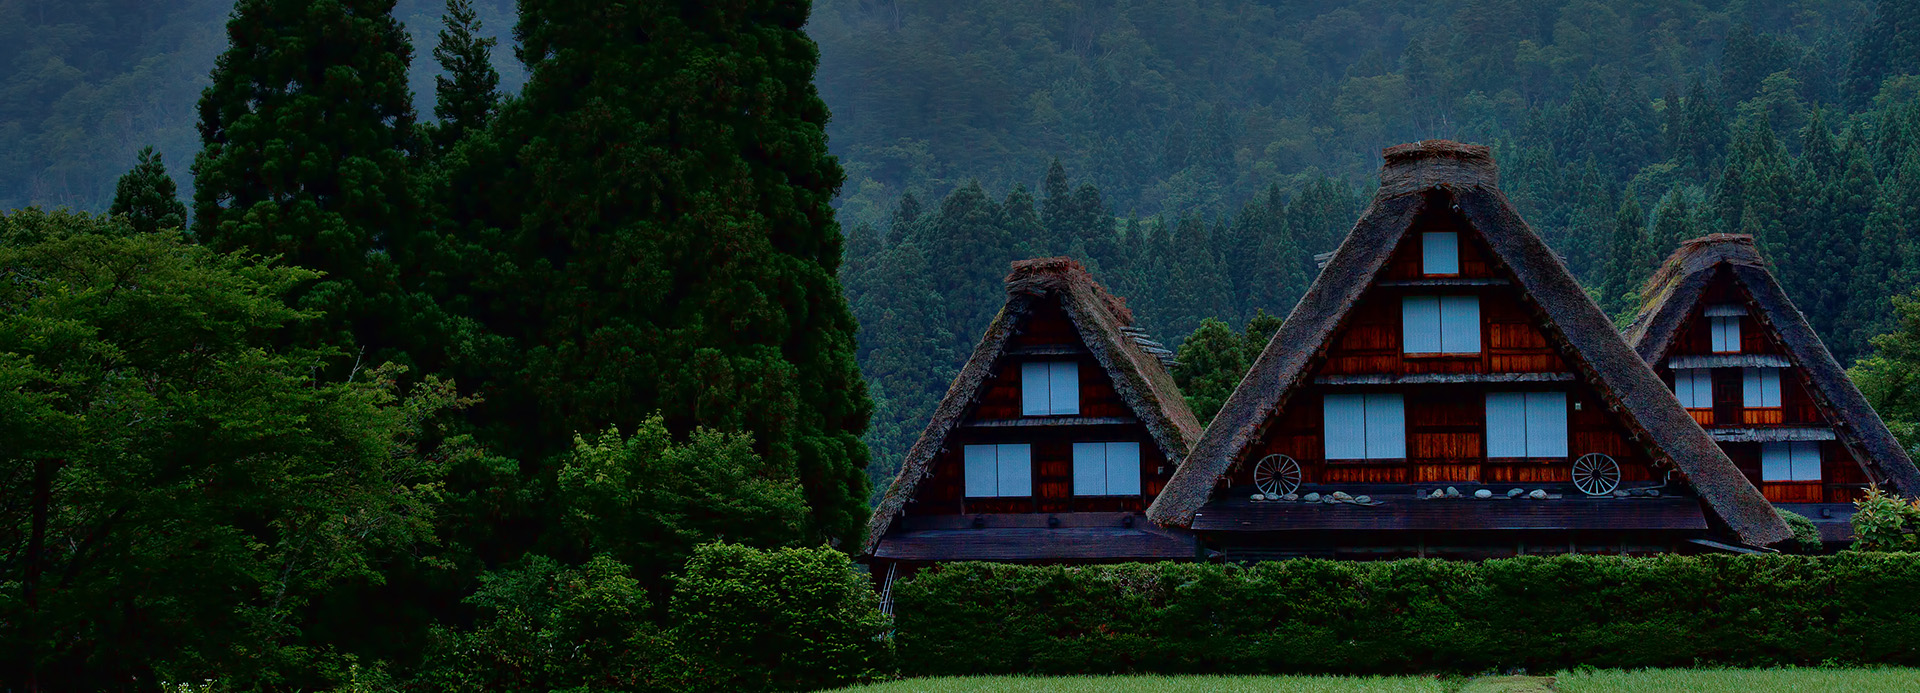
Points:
(1661, 681)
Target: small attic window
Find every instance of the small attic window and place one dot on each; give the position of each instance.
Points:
(1726, 334)
(1049, 388)
(1440, 253)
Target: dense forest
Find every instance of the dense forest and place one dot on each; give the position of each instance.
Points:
(1199, 154)
(430, 343)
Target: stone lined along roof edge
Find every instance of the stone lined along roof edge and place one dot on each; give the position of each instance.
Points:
(1466, 176)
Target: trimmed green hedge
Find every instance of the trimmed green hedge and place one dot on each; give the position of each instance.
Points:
(1314, 616)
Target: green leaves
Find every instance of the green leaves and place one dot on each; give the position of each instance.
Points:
(187, 491)
(647, 500)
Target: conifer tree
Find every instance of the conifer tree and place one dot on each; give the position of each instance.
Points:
(464, 97)
(1629, 259)
(1094, 237)
(1030, 238)
(1888, 46)
(1056, 210)
(1212, 361)
(1673, 222)
(672, 242)
(148, 197)
(307, 128)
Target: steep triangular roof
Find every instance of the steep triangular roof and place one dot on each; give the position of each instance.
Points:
(1103, 322)
(1464, 176)
(1673, 291)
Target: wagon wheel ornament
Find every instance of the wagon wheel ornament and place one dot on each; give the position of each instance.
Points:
(1276, 475)
(1596, 474)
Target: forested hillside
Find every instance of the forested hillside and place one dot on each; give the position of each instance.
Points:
(1198, 154)
(438, 344)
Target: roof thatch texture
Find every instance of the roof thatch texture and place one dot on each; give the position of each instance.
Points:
(1103, 322)
(1437, 172)
(1673, 291)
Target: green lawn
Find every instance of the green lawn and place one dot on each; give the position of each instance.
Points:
(1655, 681)
(1169, 684)
(1743, 681)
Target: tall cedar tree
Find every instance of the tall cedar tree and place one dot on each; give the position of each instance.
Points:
(148, 197)
(464, 97)
(1889, 46)
(1629, 260)
(307, 129)
(671, 243)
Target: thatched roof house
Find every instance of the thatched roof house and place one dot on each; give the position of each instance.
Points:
(1716, 325)
(1353, 338)
(1073, 471)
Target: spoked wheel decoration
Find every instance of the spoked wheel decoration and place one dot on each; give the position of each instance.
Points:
(1596, 474)
(1276, 475)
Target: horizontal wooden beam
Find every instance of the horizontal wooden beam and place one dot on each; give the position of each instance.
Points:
(1052, 421)
(1443, 378)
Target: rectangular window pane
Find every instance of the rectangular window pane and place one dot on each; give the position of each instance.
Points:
(1693, 387)
(1546, 424)
(1033, 389)
(1776, 462)
(1123, 469)
(1016, 470)
(1806, 461)
(1726, 334)
(1420, 325)
(1386, 427)
(1460, 324)
(1506, 424)
(1440, 252)
(1345, 427)
(1065, 392)
(1089, 469)
(1760, 387)
(982, 478)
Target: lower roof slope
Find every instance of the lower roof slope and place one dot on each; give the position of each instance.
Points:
(1464, 176)
(1673, 291)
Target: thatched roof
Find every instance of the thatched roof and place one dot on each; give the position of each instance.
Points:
(1673, 291)
(1464, 176)
(1104, 323)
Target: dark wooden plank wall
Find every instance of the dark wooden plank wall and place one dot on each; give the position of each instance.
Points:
(944, 492)
(1696, 334)
(1446, 424)
(1446, 427)
(1474, 255)
(1842, 479)
(1048, 326)
(1510, 341)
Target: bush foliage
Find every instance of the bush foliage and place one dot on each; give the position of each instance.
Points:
(1313, 616)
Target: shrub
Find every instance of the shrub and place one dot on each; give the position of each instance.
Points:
(1886, 522)
(1806, 535)
(789, 619)
(1312, 616)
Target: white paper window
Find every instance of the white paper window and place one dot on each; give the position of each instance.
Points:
(1440, 252)
(1049, 388)
(1726, 334)
(1106, 469)
(1365, 427)
(1526, 424)
(1760, 387)
(1440, 324)
(1796, 461)
(995, 471)
(1694, 387)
